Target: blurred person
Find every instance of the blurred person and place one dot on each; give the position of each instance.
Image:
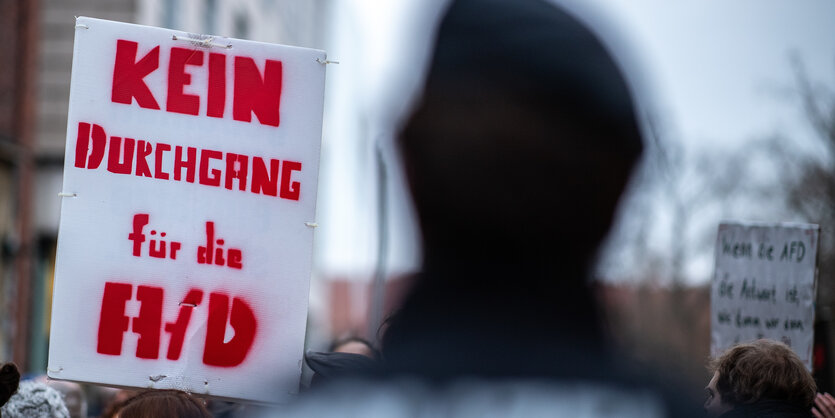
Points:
(100, 399)
(227, 409)
(72, 394)
(117, 400)
(165, 403)
(764, 378)
(35, 399)
(354, 345)
(9, 381)
(347, 357)
(516, 157)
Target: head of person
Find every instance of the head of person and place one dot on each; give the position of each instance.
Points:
(354, 345)
(163, 404)
(524, 137)
(73, 396)
(35, 399)
(763, 370)
(9, 380)
(516, 156)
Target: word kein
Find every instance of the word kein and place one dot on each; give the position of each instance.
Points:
(252, 93)
(207, 167)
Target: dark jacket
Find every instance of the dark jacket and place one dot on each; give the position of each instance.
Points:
(769, 408)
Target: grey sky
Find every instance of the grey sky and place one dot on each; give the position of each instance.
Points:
(720, 77)
(720, 66)
(716, 72)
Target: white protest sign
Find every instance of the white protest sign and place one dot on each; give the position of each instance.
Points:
(764, 286)
(185, 242)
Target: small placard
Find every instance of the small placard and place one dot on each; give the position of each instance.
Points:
(764, 286)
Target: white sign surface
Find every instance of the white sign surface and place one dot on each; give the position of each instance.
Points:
(764, 286)
(183, 251)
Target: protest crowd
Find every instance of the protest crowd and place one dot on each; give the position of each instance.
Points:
(520, 97)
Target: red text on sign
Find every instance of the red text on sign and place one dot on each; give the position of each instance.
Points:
(216, 168)
(157, 248)
(212, 252)
(253, 91)
(217, 349)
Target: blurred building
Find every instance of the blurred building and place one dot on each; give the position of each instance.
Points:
(18, 24)
(34, 95)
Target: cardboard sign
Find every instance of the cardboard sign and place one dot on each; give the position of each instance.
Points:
(185, 242)
(764, 286)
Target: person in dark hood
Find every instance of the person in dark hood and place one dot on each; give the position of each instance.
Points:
(764, 378)
(516, 157)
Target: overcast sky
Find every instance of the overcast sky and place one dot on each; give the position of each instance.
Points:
(716, 74)
(721, 68)
(720, 76)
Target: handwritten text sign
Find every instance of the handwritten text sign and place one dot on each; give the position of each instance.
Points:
(764, 286)
(190, 178)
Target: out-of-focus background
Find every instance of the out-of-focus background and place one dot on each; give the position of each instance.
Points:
(738, 101)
